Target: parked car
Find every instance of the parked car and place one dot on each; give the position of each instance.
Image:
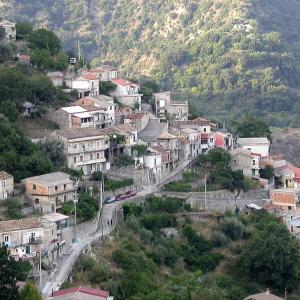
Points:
(125, 196)
(110, 200)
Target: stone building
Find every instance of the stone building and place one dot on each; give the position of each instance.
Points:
(6, 185)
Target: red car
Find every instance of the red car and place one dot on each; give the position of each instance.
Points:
(125, 196)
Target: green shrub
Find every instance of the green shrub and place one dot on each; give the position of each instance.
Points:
(14, 208)
(152, 221)
(99, 274)
(232, 228)
(218, 239)
(146, 235)
(131, 209)
(178, 186)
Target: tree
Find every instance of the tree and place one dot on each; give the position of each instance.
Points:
(55, 152)
(267, 172)
(8, 276)
(106, 86)
(272, 257)
(252, 127)
(44, 39)
(30, 292)
(24, 30)
(139, 150)
(9, 108)
(5, 52)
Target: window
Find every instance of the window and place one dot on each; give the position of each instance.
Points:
(56, 188)
(34, 186)
(91, 156)
(74, 159)
(253, 162)
(81, 157)
(154, 161)
(7, 239)
(98, 155)
(37, 201)
(56, 201)
(65, 198)
(289, 208)
(204, 129)
(4, 183)
(65, 187)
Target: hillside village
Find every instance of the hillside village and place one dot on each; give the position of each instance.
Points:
(119, 136)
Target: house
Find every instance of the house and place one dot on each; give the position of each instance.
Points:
(170, 232)
(85, 148)
(138, 119)
(10, 29)
(48, 192)
(56, 234)
(153, 161)
(6, 185)
(80, 293)
(87, 85)
(200, 124)
(165, 106)
(259, 145)
(263, 296)
(286, 175)
(127, 92)
(285, 199)
(103, 102)
(190, 142)
(22, 237)
(27, 108)
(104, 72)
(246, 161)
(223, 140)
(57, 78)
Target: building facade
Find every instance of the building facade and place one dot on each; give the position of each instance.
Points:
(6, 185)
(48, 192)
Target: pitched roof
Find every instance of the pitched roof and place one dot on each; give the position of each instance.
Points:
(80, 290)
(4, 175)
(167, 136)
(22, 224)
(90, 76)
(78, 133)
(123, 82)
(252, 141)
(152, 131)
(237, 151)
(263, 296)
(50, 179)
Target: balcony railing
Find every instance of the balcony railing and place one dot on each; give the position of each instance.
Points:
(35, 240)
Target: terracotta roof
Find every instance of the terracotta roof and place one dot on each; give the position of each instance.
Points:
(22, 224)
(25, 57)
(167, 136)
(4, 175)
(123, 82)
(90, 76)
(81, 290)
(135, 116)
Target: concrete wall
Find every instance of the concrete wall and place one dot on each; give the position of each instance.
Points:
(221, 200)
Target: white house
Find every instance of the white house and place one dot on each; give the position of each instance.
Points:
(127, 92)
(57, 78)
(87, 85)
(259, 145)
(6, 185)
(104, 72)
(10, 29)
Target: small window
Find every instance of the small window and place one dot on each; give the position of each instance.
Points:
(74, 159)
(37, 201)
(253, 162)
(98, 155)
(65, 187)
(204, 129)
(65, 197)
(56, 188)
(289, 208)
(91, 156)
(4, 183)
(81, 157)
(6, 238)
(34, 186)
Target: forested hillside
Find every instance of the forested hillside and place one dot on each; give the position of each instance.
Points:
(229, 56)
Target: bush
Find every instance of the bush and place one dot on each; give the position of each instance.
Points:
(218, 239)
(99, 274)
(178, 186)
(152, 222)
(14, 208)
(146, 235)
(232, 228)
(131, 209)
(167, 204)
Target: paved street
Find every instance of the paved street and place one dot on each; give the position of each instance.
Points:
(108, 213)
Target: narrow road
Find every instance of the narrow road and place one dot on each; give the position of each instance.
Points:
(108, 213)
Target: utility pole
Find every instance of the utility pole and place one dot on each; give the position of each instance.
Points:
(78, 50)
(205, 192)
(40, 266)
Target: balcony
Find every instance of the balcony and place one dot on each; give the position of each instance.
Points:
(34, 240)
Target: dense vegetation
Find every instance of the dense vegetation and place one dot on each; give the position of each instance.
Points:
(238, 56)
(215, 167)
(208, 259)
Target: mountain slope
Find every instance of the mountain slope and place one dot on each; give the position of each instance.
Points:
(230, 56)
